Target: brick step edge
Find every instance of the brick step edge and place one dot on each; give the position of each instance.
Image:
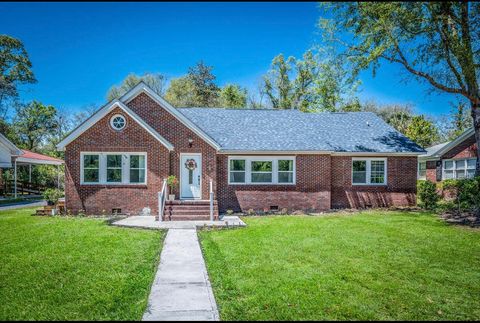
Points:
(189, 218)
(189, 212)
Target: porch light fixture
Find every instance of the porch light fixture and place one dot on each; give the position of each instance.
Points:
(190, 142)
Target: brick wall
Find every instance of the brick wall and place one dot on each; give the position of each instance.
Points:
(311, 191)
(94, 199)
(177, 134)
(467, 149)
(399, 191)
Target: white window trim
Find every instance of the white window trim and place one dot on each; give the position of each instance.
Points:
(248, 169)
(454, 169)
(418, 170)
(102, 176)
(369, 171)
(118, 115)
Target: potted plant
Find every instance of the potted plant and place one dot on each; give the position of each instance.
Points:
(172, 182)
(52, 195)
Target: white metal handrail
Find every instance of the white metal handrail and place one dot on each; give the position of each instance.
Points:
(162, 197)
(211, 200)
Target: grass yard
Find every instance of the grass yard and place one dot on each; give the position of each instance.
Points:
(370, 266)
(73, 268)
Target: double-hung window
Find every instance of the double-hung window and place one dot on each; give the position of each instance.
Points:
(369, 171)
(422, 170)
(258, 170)
(459, 168)
(91, 168)
(113, 168)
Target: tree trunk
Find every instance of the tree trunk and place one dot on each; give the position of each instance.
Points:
(476, 126)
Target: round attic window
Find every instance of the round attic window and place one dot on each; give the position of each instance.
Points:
(118, 122)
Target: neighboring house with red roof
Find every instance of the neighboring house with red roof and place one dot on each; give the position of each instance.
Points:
(11, 157)
(455, 159)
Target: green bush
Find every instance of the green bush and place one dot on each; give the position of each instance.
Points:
(427, 194)
(52, 195)
(466, 192)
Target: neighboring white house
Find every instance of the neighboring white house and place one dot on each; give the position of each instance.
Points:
(7, 151)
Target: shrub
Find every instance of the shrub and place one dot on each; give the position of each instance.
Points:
(427, 195)
(229, 212)
(52, 195)
(466, 193)
(172, 182)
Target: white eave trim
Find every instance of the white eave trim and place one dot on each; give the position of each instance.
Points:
(142, 87)
(312, 152)
(454, 143)
(97, 116)
(7, 143)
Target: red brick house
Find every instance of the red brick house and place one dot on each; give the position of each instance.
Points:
(118, 159)
(450, 160)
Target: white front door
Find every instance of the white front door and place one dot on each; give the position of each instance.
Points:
(190, 176)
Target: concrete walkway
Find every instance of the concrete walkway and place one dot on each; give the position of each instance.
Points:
(148, 222)
(181, 290)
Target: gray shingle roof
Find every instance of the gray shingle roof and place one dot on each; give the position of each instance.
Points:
(292, 130)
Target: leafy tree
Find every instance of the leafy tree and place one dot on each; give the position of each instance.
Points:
(397, 115)
(180, 93)
(155, 81)
(277, 84)
(15, 69)
(434, 42)
(422, 131)
(83, 115)
(461, 121)
(204, 88)
(319, 81)
(33, 124)
(233, 96)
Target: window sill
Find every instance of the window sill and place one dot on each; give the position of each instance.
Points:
(263, 184)
(119, 185)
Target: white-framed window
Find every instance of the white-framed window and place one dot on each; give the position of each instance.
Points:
(261, 170)
(118, 122)
(369, 171)
(459, 168)
(113, 168)
(422, 170)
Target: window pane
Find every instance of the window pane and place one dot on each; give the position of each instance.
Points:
(90, 161)
(261, 166)
(261, 177)
(237, 177)
(137, 176)
(137, 161)
(422, 173)
(285, 165)
(237, 165)
(90, 175)
(377, 172)
(422, 166)
(114, 175)
(471, 173)
(285, 177)
(449, 164)
(471, 163)
(359, 166)
(359, 177)
(460, 174)
(460, 164)
(114, 161)
(448, 174)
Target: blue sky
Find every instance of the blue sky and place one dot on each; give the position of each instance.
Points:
(79, 50)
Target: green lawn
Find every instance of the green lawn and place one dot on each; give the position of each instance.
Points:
(371, 266)
(73, 268)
